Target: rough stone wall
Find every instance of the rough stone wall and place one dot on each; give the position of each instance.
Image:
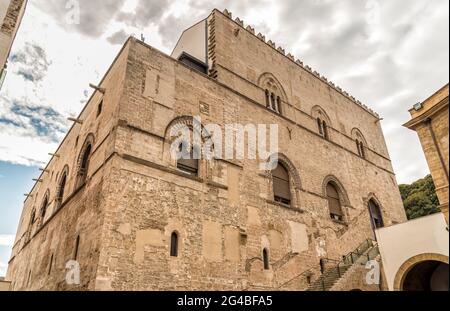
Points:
(81, 209)
(226, 216)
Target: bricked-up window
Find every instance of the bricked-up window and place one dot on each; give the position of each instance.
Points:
(266, 259)
(174, 245)
(281, 185)
(334, 203)
(376, 215)
(188, 163)
(77, 246)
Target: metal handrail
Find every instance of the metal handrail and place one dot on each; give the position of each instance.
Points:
(358, 253)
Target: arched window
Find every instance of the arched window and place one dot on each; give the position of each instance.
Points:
(174, 245)
(361, 150)
(275, 94)
(268, 101)
(62, 187)
(323, 121)
(266, 259)
(334, 202)
(360, 142)
(44, 206)
(33, 217)
(188, 162)
(376, 215)
(84, 165)
(323, 128)
(281, 185)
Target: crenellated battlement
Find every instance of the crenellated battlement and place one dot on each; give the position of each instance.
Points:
(298, 62)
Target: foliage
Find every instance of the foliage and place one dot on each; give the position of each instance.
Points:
(420, 198)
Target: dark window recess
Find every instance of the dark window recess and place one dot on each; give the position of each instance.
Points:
(33, 217)
(44, 207)
(361, 149)
(323, 128)
(174, 245)
(376, 215)
(266, 259)
(62, 187)
(193, 63)
(50, 265)
(77, 246)
(334, 203)
(100, 108)
(281, 186)
(187, 163)
(85, 163)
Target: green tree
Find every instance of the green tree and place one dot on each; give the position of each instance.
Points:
(420, 198)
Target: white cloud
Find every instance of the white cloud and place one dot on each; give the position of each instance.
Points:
(383, 52)
(7, 240)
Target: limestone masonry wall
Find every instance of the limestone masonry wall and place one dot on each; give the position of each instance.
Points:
(135, 198)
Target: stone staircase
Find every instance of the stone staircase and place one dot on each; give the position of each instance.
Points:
(334, 270)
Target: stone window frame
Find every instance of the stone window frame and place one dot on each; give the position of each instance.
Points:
(174, 247)
(82, 173)
(59, 198)
(266, 259)
(323, 122)
(343, 197)
(44, 207)
(294, 181)
(372, 197)
(361, 142)
(274, 93)
(204, 165)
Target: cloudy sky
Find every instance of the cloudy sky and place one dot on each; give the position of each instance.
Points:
(389, 54)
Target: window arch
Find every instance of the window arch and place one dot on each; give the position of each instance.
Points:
(33, 217)
(281, 184)
(62, 186)
(187, 140)
(322, 120)
(336, 196)
(376, 215)
(334, 202)
(266, 259)
(361, 143)
(44, 205)
(274, 92)
(84, 159)
(174, 244)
